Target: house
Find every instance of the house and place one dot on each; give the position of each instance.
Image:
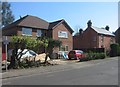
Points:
(93, 37)
(37, 27)
(117, 35)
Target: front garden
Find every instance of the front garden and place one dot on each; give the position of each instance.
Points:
(36, 46)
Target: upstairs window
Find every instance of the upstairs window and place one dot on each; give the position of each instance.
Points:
(39, 33)
(27, 31)
(62, 34)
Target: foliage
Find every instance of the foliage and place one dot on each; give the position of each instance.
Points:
(7, 16)
(94, 56)
(25, 42)
(115, 50)
(49, 44)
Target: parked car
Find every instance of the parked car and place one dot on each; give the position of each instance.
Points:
(76, 54)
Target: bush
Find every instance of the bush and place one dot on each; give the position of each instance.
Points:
(115, 50)
(94, 56)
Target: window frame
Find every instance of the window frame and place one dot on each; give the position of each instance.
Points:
(37, 33)
(24, 33)
(62, 32)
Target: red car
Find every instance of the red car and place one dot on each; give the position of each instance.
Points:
(76, 54)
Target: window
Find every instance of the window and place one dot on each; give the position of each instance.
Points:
(111, 40)
(63, 48)
(39, 33)
(62, 34)
(66, 48)
(27, 31)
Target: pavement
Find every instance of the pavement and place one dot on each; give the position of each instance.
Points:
(61, 65)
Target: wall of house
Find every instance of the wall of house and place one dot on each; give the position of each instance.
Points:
(117, 36)
(106, 42)
(76, 42)
(34, 31)
(88, 39)
(65, 41)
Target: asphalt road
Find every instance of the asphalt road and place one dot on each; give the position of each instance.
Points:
(99, 72)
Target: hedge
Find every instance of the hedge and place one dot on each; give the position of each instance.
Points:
(94, 56)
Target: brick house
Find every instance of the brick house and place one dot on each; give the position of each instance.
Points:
(117, 35)
(34, 26)
(93, 37)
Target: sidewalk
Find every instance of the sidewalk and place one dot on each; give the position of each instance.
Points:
(41, 69)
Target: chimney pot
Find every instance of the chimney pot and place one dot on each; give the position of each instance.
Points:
(107, 28)
(89, 23)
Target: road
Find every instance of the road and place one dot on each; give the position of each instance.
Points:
(98, 72)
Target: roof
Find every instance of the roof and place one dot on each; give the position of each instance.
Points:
(102, 31)
(118, 30)
(52, 25)
(35, 22)
(30, 21)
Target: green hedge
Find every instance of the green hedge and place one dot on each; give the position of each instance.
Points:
(115, 50)
(94, 56)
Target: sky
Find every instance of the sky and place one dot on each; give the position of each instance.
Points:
(76, 14)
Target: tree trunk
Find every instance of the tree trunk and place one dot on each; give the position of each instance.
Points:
(12, 61)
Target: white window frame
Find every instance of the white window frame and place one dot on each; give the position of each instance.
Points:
(62, 34)
(25, 32)
(37, 33)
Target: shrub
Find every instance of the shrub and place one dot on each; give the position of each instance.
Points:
(115, 50)
(94, 56)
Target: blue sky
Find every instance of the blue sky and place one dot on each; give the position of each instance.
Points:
(76, 14)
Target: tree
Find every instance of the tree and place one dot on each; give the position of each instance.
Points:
(49, 44)
(7, 16)
(22, 42)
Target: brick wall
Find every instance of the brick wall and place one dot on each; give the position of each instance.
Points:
(88, 39)
(91, 39)
(65, 41)
(106, 42)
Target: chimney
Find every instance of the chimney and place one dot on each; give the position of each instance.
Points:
(80, 31)
(20, 17)
(89, 23)
(107, 28)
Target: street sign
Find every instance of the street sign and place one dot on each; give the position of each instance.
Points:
(5, 42)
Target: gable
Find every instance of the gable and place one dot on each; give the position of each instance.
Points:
(53, 25)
